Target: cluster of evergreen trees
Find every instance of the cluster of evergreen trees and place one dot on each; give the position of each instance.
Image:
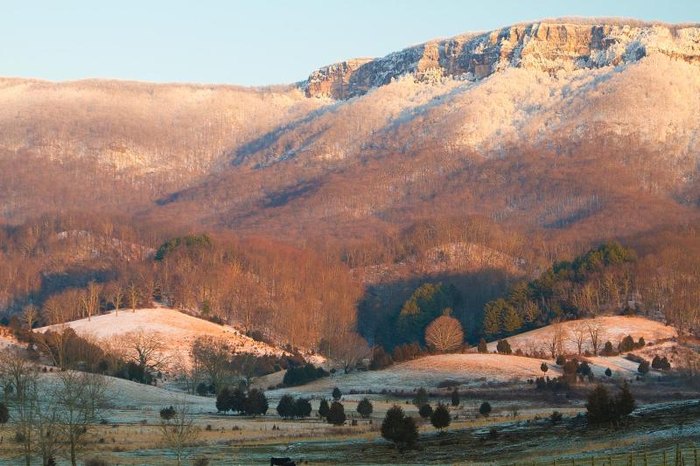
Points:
(302, 375)
(289, 407)
(594, 281)
(251, 403)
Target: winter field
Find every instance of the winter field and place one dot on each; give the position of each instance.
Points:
(129, 431)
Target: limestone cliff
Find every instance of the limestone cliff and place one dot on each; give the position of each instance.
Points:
(562, 45)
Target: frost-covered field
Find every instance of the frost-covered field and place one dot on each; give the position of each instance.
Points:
(611, 328)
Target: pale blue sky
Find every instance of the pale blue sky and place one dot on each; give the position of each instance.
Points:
(257, 41)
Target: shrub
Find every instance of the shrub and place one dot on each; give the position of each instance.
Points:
(608, 349)
(337, 394)
(336, 414)
(643, 367)
(167, 413)
(485, 409)
(482, 348)
(608, 372)
(503, 347)
(399, 428)
(365, 408)
(544, 367)
(425, 411)
(561, 360)
(440, 418)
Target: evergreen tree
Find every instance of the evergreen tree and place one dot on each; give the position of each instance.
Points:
(336, 414)
(399, 428)
(482, 348)
(425, 411)
(302, 408)
(440, 418)
(510, 320)
(255, 403)
(643, 367)
(607, 349)
(599, 405)
(608, 372)
(454, 397)
(337, 394)
(323, 408)
(285, 407)
(236, 401)
(492, 316)
(223, 400)
(365, 408)
(421, 397)
(624, 402)
(627, 344)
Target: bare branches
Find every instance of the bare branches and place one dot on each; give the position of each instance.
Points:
(179, 432)
(146, 350)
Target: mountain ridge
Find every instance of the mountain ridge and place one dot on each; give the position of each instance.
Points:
(475, 55)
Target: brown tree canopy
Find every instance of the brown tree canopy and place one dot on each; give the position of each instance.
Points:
(444, 334)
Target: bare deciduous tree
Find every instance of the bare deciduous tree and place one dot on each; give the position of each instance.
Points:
(444, 334)
(595, 334)
(556, 341)
(116, 296)
(147, 350)
(91, 299)
(211, 357)
(578, 336)
(78, 399)
(350, 348)
(179, 432)
(19, 379)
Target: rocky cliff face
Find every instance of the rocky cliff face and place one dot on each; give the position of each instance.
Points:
(545, 46)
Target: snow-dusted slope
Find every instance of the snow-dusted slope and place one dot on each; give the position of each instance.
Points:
(610, 328)
(176, 330)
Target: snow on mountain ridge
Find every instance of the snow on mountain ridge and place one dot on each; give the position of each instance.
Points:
(546, 46)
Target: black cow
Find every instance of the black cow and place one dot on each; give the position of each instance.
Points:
(281, 462)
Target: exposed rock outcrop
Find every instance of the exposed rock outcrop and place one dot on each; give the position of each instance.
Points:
(546, 46)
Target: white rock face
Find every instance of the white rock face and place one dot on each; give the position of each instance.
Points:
(565, 45)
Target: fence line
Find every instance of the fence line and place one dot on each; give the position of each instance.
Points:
(688, 455)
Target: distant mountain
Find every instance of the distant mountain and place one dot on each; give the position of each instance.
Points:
(572, 129)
